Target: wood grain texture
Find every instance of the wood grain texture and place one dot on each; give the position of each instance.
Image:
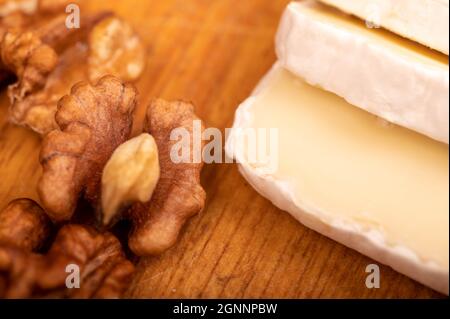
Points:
(213, 52)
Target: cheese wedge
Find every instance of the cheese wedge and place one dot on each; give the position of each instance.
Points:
(376, 187)
(424, 21)
(389, 76)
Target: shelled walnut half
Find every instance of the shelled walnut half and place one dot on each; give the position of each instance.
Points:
(29, 59)
(93, 121)
(104, 271)
(37, 58)
(178, 194)
(29, 7)
(34, 50)
(8, 7)
(116, 49)
(24, 224)
(88, 148)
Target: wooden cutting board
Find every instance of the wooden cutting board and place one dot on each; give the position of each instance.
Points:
(213, 52)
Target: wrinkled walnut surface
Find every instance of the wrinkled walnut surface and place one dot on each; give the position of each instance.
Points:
(38, 59)
(15, 21)
(37, 111)
(55, 33)
(30, 7)
(24, 224)
(178, 194)
(31, 60)
(116, 49)
(8, 7)
(104, 270)
(93, 121)
(45, 18)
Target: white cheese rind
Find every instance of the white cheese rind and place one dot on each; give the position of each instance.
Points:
(395, 84)
(424, 21)
(352, 234)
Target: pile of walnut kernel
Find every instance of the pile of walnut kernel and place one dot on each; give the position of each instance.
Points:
(88, 154)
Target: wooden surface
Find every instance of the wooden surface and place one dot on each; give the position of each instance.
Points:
(213, 52)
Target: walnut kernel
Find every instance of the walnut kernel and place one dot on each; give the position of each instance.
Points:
(130, 175)
(115, 49)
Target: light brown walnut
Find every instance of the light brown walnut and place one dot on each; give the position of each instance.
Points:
(14, 21)
(29, 59)
(24, 224)
(53, 31)
(116, 49)
(178, 194)
(8, 7)
(25, 273)
(104, 270)
(31, 7)
(93, 121)
(38, 58)
(89, 147)
(37, 111)
(12, 18)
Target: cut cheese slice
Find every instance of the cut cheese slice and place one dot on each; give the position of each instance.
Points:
(389, 76)
(375, 187)
(424, 21)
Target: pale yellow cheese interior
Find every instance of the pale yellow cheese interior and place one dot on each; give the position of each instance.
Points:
(379, 36)
(349, 164)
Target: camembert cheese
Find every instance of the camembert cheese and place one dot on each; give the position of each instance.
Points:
(376, 187)
(374, 69)
(424, 21)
